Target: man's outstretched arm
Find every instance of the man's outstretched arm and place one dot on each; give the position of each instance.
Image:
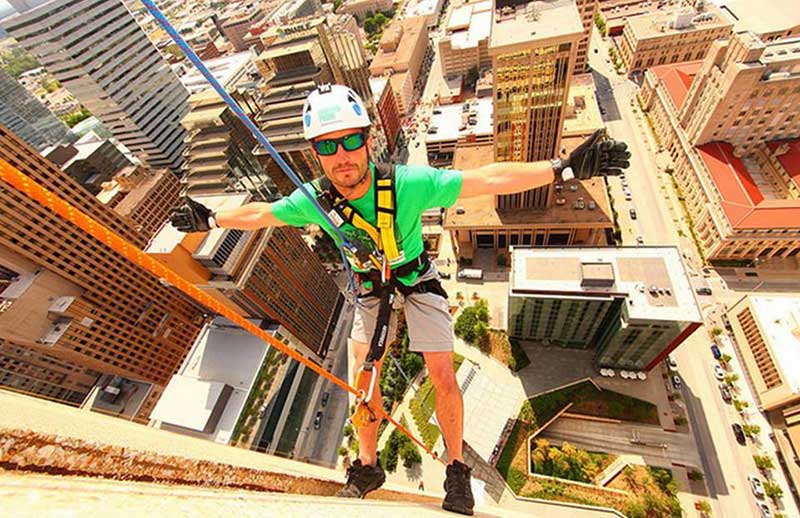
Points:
(193, 216)
(599, 155)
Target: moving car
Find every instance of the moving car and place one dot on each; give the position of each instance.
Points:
(318, 420)
(639, 240)
(756, 486)
(325, 397)
(719, 373)
(738, 431)
(632, 213)
(764, 508)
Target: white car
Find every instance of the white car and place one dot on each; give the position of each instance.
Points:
(756, 486)
(671, 363)
(765, 512)
(719, 373)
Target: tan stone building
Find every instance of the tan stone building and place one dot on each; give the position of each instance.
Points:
(579, 217)
(587, 9)
(770, 21)
(738, 178)
(465, 44)
(661, 37)
(401, 53)
(360, 8)
(533, 48)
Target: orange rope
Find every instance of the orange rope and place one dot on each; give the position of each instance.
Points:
(33, 190)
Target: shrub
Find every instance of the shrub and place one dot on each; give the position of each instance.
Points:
(695, 475)
(773, 490)
(763, 462)
(680, 420)
(410, 454)
(716, 331)
(516, 479)
(342, 451)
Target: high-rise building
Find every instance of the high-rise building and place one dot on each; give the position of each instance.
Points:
(660, 38)
(33, 372)
(265, 274)
(587, 9)
(144, 196)
(73, 297)
(102, 56)
(735, 161)
(219, 148)
(746, 92)
(238, 25)
(386, 104)
(633, 306)
(465, 44)
(26, 116)
(533, 48)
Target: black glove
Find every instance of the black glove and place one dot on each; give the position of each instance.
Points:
(192, 216)
(599, 155)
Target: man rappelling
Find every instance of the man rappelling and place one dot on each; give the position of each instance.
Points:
(378, 208)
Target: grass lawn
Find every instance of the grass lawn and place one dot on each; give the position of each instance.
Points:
(422, 414)
(588, 400)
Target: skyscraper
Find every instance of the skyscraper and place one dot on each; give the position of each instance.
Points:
(533, 48)
(23, 114)
(74, 298)
(102, 56)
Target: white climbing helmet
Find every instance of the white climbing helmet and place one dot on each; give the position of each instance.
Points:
(333, 108)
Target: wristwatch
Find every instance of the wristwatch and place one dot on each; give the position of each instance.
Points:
(559, 169)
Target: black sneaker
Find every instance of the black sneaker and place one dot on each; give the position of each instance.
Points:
(459, 493)
(362, 479)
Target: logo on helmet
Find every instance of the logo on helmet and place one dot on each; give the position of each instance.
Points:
(329, 113)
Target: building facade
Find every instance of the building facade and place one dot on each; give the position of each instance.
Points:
(587, 9)
(145, 197)
(531, 82)
(632, 306)
(237, 26)
(465, 44)
(266, 274)
(737, 179)
(26, 116)
(102, 56)
(91, 160)
(671, 37)
(74, 298)
(360, 8)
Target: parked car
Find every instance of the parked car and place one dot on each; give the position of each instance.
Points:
(718, 372)
(471, 273)
(738, 432)
(632, 213)
(676, 382)
(628, 196)
(756, 486)
(705, 290)
(725, 392)
(639, 240)
(325, 397)
(318, 420)
(671, 363)
(716, 352)
(764, 508)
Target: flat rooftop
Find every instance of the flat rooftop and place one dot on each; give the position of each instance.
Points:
(762, 17)
(583, 114)
(411, 30)
(538, 20)
(448, 123)
(227, 70)
(779, 321)
(653, 280)
(741, 198)
(469, 24)
(659, 24)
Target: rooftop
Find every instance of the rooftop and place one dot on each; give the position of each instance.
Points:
(677, 79)
(449, 122)
(227, 70)
(407, 33)
(423, 7)
(480, 211)
(762, 17)
(742, 201)
(223, 354)
(583, 114)
(376, 85)
(684, 20)
(138, 192)
(789, 157)
(528, 23)
(470, 24)
(653, 280)
(779, 321)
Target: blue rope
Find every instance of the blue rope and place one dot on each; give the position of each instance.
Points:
(259, 136)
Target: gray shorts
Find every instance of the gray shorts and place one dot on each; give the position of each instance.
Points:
(430, 325)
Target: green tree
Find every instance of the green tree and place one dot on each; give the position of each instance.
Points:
(705, 508)
(410, 454)
(342, 451)
(740, 405)
(695, 475)
(731, 379)
(716, 331)
(369, 25)
(465, 326)
(526, 413)
(600, 23)
(74, 118)
(773, 490)
(763, 462)
(751, 430)
(725, 359)
(17, 60)
(336, 4)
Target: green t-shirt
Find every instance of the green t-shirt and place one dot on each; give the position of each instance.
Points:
(417, 188)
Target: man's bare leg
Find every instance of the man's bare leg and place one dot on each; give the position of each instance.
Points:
(449, 403)
(368, 435)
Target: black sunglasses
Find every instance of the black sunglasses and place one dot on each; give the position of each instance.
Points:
(329, 146)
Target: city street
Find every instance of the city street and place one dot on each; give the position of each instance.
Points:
(726, 464)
